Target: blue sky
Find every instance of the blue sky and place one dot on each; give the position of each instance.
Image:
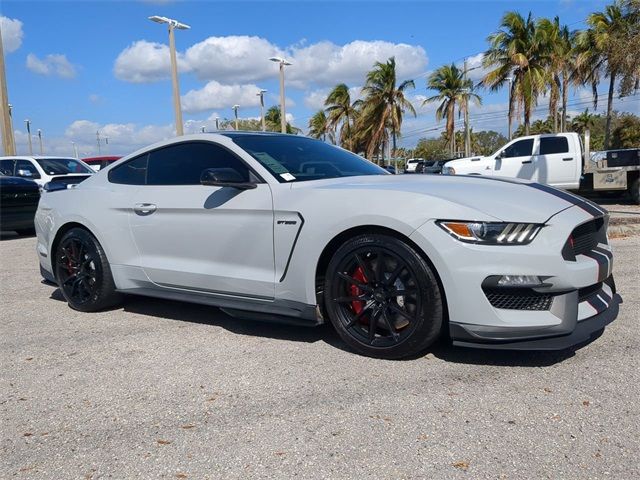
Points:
(77, 67)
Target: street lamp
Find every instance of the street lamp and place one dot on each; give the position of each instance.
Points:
(510, 80)
(235, 112)
(28, 122)
(261, 95)
(173, 24)
(283, 120)
(40, 140)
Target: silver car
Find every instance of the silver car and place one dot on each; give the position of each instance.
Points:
(286, 228)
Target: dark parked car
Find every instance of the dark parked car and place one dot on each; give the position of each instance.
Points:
(390, 169)
(98, 163)
(18, 203)
(430, 166)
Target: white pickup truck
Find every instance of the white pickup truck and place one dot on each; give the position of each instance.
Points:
(558, 160)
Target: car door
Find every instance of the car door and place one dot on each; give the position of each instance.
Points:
(216, 240)
(557, 166)
(517, 160)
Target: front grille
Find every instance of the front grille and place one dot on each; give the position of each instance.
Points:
(585, 238)
(518, 299)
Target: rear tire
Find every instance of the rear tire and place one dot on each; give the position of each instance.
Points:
(82, 272)
(382, 297)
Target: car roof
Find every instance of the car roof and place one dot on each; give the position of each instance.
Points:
(36, 157)
(104, 157)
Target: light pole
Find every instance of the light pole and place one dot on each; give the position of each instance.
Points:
(173, 24)
(75, 149)
(28, 122)
(98, 140)
(261, 95)
(235, 113)
(217, 123)
(40, 140)
(283, 118)
(510, 80)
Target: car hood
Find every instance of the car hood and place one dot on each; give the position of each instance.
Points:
(504, 199)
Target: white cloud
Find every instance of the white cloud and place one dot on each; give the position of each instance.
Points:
(54, 64)
(215, 95)
(326, 63)
(474, 67)
(240, 58)
(11, 34)
(144, 61)
(315, 99)
(232, 59)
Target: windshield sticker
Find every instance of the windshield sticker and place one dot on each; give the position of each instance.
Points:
(270, 162)
(288, 177)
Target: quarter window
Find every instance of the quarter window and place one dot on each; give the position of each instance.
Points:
(133, 172)
(6, 167)
(549, 145)
(183, 164)
(521, 148)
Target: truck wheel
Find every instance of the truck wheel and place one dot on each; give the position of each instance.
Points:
(634, 191)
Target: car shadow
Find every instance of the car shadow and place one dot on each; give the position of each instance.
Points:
(10, 235)
(442, 349)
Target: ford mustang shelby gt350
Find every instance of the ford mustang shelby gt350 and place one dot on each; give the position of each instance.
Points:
(286, 228)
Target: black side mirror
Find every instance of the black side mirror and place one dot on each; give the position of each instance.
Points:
(225, 177)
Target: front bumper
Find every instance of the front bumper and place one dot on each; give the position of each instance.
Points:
(569, 332)
(577, 299)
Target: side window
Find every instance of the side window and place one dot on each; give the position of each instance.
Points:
(549, 145)
(133, 172)
(6, 167)
(521, 148)
(183, 164)
(24, 168)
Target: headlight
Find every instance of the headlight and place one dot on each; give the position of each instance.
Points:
(491, 233)
(448, 171)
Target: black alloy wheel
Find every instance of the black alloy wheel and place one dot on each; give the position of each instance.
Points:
(82, 272)
(382, 297)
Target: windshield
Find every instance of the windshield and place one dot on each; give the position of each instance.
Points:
(62, 166)
(298, 159)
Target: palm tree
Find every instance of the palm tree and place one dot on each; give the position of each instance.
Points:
(583, 121)
(385, 104)
(341, 112)
(452, 87)
(319, 126)
(517, 51)
(557, 42)
(602, 52)
(272, 121)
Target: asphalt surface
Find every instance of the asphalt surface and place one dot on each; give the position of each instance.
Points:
(160, 389)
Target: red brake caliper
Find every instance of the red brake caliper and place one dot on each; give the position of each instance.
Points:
(354, 291)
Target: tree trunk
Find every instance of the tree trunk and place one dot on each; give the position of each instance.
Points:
(451, 127)
(565, 94)
(607, 129)
(553, 103)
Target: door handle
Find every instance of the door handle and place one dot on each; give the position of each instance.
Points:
(568, 159)
(526, 161)
(144, 208)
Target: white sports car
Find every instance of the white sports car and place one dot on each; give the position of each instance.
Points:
(286, 228)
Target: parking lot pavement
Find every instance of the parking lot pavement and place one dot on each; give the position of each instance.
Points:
(159, 389)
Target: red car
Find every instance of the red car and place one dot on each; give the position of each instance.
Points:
(100, 162)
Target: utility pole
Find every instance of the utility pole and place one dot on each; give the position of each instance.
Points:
(98, 140)
(510, 79)
(40, 140)
(217, 123)
(106, 144)
(467, 132)
(5, 109)
(28, 122)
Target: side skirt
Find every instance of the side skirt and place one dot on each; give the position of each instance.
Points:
(281, 311)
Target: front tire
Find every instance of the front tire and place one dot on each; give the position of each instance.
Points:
(83, 273)
(382, 297)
